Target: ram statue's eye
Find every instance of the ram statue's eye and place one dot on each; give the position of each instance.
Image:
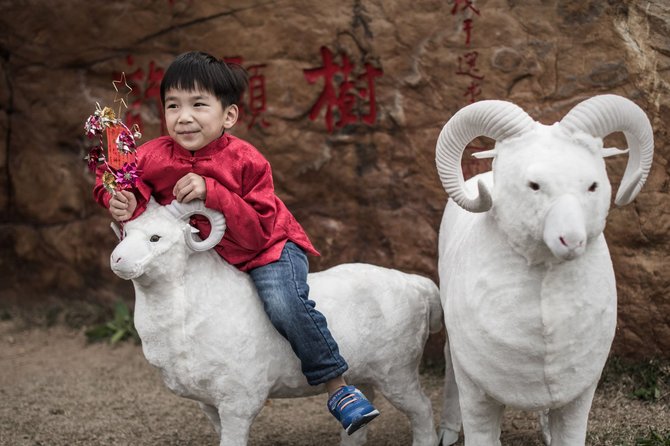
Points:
(593, 187)
(154, 238)
(533, 185)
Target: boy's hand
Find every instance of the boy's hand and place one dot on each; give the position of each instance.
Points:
(122, 205)
(190, 187)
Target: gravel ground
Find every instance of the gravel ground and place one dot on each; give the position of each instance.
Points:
(56, 389)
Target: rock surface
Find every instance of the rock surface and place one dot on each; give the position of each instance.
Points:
(364, 191)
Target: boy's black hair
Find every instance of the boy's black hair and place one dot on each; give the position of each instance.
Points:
(227, 81)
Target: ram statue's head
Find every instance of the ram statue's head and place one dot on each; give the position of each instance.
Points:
(550, 186)
(157, 244)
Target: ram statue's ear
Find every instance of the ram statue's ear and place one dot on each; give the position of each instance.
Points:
(613, 151)
(595, 145)
(485, 154)
(117, 230)
(592, 143)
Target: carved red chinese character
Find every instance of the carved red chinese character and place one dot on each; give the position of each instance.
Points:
(467, 27)
(257, 98)
(473, 91)
(467, 65)
(340, 94)
(256, 105)
(369, 92)
(465, 4)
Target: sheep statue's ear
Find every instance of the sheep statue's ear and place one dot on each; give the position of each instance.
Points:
(608, 113)
(117, 230)
(613, 151)
(495, 119)
(485, 154)
(184, 211)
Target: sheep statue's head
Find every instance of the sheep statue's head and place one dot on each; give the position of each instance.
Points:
(550, 193)
(157, 244)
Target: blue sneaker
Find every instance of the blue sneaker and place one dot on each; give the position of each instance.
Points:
(351, 408)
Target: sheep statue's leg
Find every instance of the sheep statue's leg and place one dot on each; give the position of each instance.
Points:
(482, 415)
(544, 426)
(359, 437)
(237, 413)
(406, 395)
(451, 408)
(567, 424)
(213, 415)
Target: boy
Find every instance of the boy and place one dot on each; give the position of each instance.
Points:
(199, 160)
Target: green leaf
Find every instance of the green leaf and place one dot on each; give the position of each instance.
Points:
(98, 333)
(117, 336)
(121, 327)
(121, 312)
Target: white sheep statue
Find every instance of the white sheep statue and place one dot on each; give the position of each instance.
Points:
(203, 325)
(526, 280)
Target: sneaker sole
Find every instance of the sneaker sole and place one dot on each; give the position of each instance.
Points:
(362, 421)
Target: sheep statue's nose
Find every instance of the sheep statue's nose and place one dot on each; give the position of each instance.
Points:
(573, 246)
(565, 228)
(571, 243)
(124, 267)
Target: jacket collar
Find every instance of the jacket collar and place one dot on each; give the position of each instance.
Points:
(210, 149)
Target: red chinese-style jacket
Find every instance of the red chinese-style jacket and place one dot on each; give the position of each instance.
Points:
(239, 184)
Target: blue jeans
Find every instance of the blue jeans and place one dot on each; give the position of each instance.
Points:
(282, 287)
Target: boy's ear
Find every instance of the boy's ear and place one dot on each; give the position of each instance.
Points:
(230, 115)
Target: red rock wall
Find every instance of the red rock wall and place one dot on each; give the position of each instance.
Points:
(365, 191)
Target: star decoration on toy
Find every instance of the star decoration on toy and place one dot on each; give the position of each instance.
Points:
(122, 100)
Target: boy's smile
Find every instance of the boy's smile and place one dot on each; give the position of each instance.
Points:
(196, 118)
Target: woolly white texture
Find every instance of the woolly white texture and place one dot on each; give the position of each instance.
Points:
(203, 325)
(527, 284)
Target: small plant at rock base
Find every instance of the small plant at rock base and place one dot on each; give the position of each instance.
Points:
(120, 328)
(654, 438)
(649, 379)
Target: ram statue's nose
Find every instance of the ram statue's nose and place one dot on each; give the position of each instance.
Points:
(565, 228)
(122, 267)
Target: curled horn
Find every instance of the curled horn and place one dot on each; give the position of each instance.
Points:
(495, 119)
(216, 219)
(605, 114)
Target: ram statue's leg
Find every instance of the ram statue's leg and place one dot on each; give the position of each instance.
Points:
(544, 426)
(359, 437)
(451, 408)
(567, 424)
(213, 415)
(482, 415)
(403, 391)
(236, 416)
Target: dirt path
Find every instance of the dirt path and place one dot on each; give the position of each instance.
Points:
(55, 389)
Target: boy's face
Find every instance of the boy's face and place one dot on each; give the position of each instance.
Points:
(196, 118)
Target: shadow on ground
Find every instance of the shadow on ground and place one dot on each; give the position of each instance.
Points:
(58, 390)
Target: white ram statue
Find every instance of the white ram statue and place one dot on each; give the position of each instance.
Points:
(526, 279)
(203, 325)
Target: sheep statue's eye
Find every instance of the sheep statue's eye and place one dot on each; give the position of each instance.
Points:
(593, 187)
(533, 185)
(154, 238)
